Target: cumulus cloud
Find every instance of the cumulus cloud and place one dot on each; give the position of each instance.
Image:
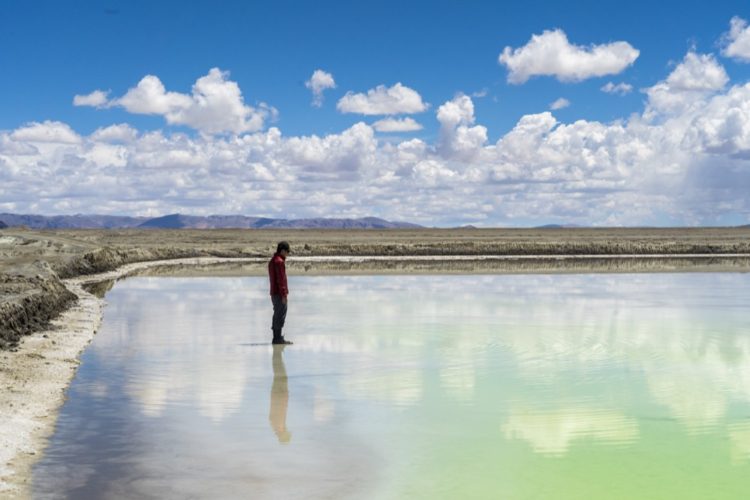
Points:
(10, 147)
(96, 99)
(723, 125)
(559, 104)
(334, 156)
(458, 111)
(48, 131)
(698, 72)
(150, 97)
(319, 82)
(115, 133)
(737, 40)
(457, 137)
(693, 79)
(551, 54)
(397, 125)
(382, 100)
(621, 88)
(432, 173)
(687, 162)
(215, 105)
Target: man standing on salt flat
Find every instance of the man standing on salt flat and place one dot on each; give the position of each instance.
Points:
(279, 291)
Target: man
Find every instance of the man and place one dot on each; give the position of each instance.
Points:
(279, 291)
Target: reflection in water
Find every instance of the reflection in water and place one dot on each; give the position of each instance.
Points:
(410, 265)
(539, 386)
(400, 388)
(279, 397)
(551, 432)
(99, 288)
(739, 436)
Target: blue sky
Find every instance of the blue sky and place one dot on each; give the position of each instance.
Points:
(53, 51)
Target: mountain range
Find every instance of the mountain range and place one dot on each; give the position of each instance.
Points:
(180, 221)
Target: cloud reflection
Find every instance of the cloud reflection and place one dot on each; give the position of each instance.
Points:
(679, 334)
(552, 432)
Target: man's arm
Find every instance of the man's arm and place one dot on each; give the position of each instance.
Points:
(279, 274)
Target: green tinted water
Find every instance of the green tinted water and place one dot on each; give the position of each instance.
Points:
(539, 386)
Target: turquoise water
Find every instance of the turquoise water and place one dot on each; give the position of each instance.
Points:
(488, 386)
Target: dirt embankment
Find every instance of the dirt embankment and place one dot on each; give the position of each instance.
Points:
(30, 302)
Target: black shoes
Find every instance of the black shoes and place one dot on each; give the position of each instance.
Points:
(281, 341)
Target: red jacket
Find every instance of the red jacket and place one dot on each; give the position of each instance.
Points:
(277, 275)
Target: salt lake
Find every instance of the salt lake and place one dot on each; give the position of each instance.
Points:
(412, 386)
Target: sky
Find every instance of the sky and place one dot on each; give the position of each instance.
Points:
(442, 113)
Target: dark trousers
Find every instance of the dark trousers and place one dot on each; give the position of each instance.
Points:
(279, 315)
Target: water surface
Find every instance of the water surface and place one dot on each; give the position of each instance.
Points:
(484, 386)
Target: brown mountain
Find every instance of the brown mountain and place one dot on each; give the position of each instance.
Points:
(178, 221)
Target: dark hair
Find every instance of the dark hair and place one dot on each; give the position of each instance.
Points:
(283, 245)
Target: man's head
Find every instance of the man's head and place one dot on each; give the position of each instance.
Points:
(283, 248)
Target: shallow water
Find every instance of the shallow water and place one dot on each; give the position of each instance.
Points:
(484, 386)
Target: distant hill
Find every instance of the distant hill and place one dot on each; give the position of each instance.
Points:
(3, 224)
(77, 221)
(558, 226)
(321, 223)
(179, 221)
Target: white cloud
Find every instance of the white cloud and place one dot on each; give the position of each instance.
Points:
(48, 131)
(215, 105)
(723, 125)
(550, 54)
(687, 163)
(698, 72)
(458, 111)
(318, 83)
(432, 173)
(96, 99)
(397, 125)
(10, 147)
(150, 97)
(694, 78)
(383, 100)
(559, 104)
(332, 157)
(457, 137)
(621, 88)
(737, 41)
(115, 133)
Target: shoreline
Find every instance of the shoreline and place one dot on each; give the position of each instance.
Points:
(35, 378)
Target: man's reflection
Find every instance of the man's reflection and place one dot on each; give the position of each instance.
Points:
(279, 396)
